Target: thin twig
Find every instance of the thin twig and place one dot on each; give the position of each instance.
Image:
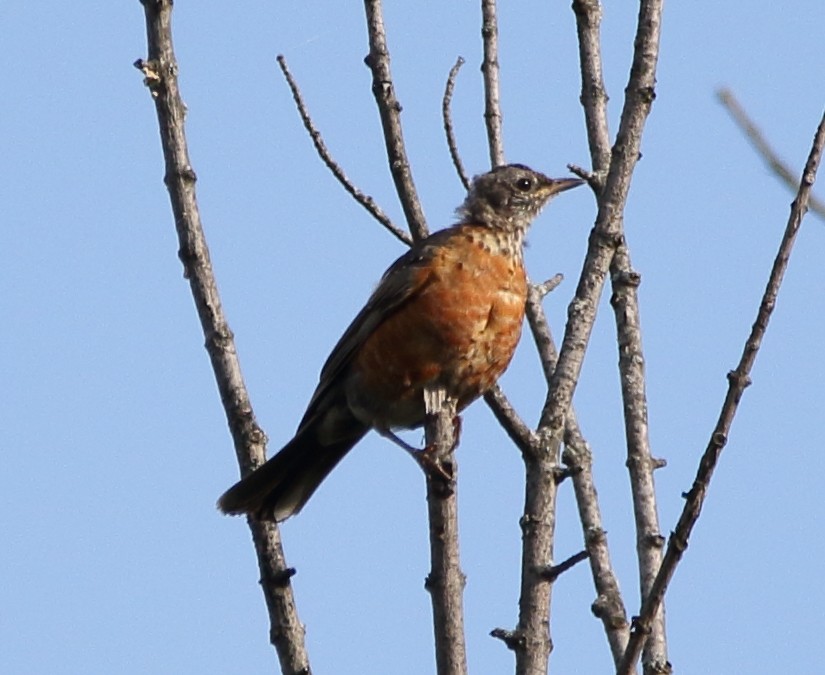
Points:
(640, 464)
(490, 71)
(389, 109)
(445, 581)
(326, 157)
(763, 148)
(553, 572)
(738, 380)
(549, 285)
(160, 75)
(449, 130)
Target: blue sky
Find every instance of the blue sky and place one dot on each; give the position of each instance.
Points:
(114, 445)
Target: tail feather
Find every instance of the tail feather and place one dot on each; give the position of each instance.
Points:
(280, 487)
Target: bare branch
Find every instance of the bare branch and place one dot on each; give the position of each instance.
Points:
(593, 97)
(607, 232)
(649, 540)
(631, 360)
(577, 456)
(160, 76)
(317, 140)
(608, 606)
(533, 644)
(738, 380)
(522, 435)
(446, 580)
(763, 148)
(389, 109)
(448, 123)
(490, 70)
(538, 525)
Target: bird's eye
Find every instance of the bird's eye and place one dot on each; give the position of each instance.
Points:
(524, 184)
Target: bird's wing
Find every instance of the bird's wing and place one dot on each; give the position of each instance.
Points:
(402, 281)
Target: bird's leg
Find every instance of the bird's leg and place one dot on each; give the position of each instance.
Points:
(424, 457)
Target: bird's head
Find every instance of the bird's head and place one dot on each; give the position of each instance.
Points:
(509, 197)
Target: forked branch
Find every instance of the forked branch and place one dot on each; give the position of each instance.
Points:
(738, 380)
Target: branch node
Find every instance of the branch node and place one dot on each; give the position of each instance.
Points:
(552, 572)
(548, 286)
(514, 640)
(561, 474)
(655, 540)
(281, 578)
(738, 379)
(719, 439)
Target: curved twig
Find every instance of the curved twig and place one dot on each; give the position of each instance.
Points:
(738, 380)
(317, 140)
(160, 76)
(448, 123)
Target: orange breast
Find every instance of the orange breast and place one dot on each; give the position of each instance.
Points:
(458, 331)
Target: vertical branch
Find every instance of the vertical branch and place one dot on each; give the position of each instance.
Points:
(490, 70)
(538, 526)
(160, 76)
(593, 97)
(389, 109)
(624, 281)
(445, 581)
(738, 380)
(640, 462)
(608, 606)
(607, 232)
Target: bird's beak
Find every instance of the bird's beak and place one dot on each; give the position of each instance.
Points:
(556, 185)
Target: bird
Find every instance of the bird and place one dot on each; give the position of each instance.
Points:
(445, 317)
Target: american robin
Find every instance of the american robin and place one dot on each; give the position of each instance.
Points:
(446, 316)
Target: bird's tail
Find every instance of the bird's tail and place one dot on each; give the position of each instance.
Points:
(280, 487)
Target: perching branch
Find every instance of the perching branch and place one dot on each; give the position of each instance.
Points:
(763, 148)
(738, 380)
(160, 76)
(446, 581)
(326, 157)
(449, 131)
(389, 109)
